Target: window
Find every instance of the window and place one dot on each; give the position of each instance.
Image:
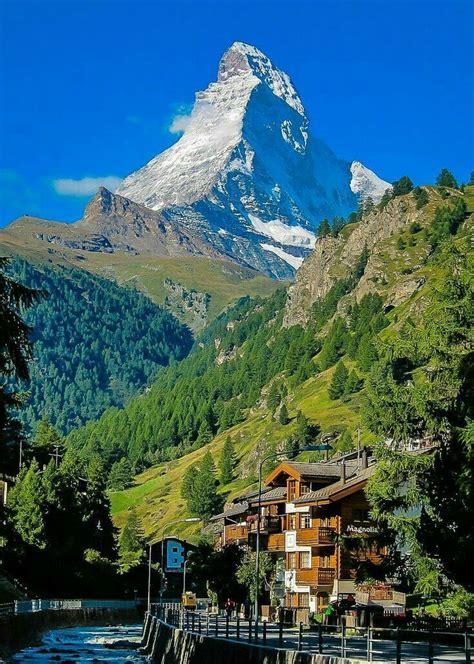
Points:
(324, 561)
(305, 560)
(361, 515)
(292, 522)
(305, 521)
(303, 600)
(292, 561)
(291, 490)
(304, 488)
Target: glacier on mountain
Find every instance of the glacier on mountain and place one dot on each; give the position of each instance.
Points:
(247, 172)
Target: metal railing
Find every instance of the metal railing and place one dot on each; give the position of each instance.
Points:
(34, 605)
(372, 644)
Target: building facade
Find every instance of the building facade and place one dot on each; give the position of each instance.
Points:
(315, 516)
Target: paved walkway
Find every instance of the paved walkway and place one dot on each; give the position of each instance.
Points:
(383, 650)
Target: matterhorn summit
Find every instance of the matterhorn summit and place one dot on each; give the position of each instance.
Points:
(247, 174)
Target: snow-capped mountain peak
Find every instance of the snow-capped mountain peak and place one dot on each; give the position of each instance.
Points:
(247, 173)
(242, 58)
(366, 183)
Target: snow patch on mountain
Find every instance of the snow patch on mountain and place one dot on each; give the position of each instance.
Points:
(295, 236)
(294, 261)
(366, 183)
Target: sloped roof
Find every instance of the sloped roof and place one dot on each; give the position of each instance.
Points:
(331, 491)
(276, 493)
(235, 510)
(302, 470)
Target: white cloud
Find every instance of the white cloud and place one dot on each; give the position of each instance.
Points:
(85, 186)
(181, 119)
(180, 124)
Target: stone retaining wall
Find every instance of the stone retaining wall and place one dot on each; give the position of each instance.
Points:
(24, 629)
(169, 645)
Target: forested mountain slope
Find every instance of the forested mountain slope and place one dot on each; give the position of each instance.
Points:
(251, 374)
(96, 344)
(193, 288)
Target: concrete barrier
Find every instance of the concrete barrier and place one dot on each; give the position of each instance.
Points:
(25, 629)
(169, 645)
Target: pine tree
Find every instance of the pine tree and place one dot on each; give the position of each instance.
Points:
(120, 475)
(421, 196)
(367, 353)
(292, 447)
(199, 489)
(338, 382)
(26, 503)
(344, 442)
(227, 461)
(15, 354)
(47, 442)
(283, 416)
(324, 228)
(402, 186)
(446, 179)
(131, 542)
(353, 383)
(273, 398)
(471, 179)
(386, 198)
(209, 501)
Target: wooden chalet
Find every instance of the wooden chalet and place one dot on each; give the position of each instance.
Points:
(310, 512)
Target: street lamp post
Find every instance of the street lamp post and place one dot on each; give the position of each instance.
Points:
(274, 455)
(184, 576)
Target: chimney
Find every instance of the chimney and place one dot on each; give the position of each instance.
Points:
(365, 461)
(343, 471)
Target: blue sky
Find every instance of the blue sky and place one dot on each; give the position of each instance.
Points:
(89, 89)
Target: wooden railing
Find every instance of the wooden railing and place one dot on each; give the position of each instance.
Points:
(315, 536)
(276, 542)
(318, 576)
(267, 524)
(235, 532)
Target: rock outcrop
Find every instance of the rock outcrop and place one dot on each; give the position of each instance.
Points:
(387, 271)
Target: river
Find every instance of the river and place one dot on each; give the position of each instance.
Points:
(87, 644)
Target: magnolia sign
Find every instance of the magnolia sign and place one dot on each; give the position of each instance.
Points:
(351, 529)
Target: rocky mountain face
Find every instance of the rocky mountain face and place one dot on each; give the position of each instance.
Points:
(392, 269)
(248, 169)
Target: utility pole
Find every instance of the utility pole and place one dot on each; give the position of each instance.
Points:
(56, 455)
(20, 462)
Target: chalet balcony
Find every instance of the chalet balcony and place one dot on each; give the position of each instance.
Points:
(315, 536)
(276, 542)
(235, 533)
(318, 576)
(268, 524)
